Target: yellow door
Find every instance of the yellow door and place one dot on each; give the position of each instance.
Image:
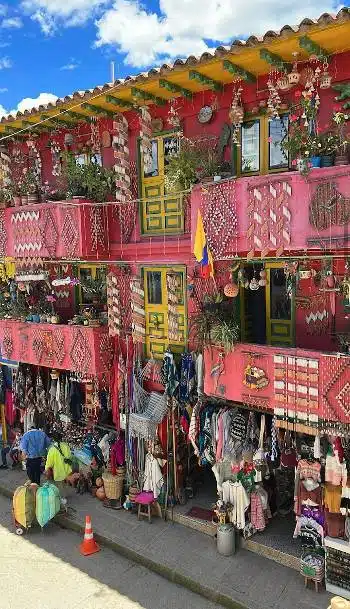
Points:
(161, 213)
(156, 309)
(279, 308)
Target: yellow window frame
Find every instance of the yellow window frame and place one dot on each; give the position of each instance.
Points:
(160, 213)
(156, 315)
(263, 149)
(93, 268)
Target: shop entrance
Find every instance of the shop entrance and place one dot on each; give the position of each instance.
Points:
(267, 312)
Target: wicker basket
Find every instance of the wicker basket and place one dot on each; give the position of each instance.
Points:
(314, 572)
(121, 471)
(113, 485)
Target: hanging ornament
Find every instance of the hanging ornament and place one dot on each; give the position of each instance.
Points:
(146, 141)
(56, 158)
(325, 78)
(95, 135)
(274, 100)
(5, 167)
(173, 117)
(236, 113)
(294, 76)
(283, 83)
(231, 290)
(37, 164)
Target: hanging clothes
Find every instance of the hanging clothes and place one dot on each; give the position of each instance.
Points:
(235, 494)
(153, 477)
(41, 403)
(169, 374)
(187, 377)
(10, 411)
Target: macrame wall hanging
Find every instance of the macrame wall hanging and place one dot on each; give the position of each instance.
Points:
(219, 213)
(173, 287)
(138, 322)
(146, 138)
(328, 207)
(113, 305)
(269, 218)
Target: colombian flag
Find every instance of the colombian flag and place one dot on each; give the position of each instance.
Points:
(201, 250)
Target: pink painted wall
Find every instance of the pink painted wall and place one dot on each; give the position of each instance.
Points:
(333, 398)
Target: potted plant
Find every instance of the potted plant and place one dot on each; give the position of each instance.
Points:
(16, 194)
(299, 147)
(315, 150)
(95, 289)
(329, 144)
(181, 172)
(216, 325)
(98, 182)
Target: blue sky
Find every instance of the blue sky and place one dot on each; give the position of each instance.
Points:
(54, 47)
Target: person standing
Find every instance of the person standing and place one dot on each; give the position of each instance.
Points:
(12, 449)
(34, 445)
(59, 464)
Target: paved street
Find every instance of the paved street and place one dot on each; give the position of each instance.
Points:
(46, 571)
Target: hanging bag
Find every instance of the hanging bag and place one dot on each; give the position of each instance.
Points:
(259, 458)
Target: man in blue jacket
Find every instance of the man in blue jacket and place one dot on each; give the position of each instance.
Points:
(34, 445)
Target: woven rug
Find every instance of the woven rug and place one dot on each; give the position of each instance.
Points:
(200, 514)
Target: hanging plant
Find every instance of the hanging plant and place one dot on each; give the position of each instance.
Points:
(236, 114)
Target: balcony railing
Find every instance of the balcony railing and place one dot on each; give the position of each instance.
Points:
(273, 213)
(82, 349)
(65, 229)
(294, 383)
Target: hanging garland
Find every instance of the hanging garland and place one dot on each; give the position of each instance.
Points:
(95, 135)
(146, 141)
(35, 154)
(173, 118)
(274, 100)
(56, 158)
(5, 168)
(236, 113)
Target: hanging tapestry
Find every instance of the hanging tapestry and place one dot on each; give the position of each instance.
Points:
(27, 238)
(70, 232)
(49, 232)
(296, 385)
(335, 384)
(328, 207)
(138, 325)
(80, 352)
(173, 287)
(113, 305)
(97, 228)
(269, 218)
(219, 213)
(3, 234)
(7, 343)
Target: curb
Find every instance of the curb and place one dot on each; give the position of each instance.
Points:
(167, 572)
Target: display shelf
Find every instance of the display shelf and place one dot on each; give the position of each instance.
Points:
(339, 545)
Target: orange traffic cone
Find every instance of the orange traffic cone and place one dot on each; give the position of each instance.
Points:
(89, 545)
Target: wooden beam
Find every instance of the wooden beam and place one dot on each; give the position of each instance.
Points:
(74, 115)
(204, 80)
(312, 48)
(33, 126)
(97, 110)
(9, 129)
(174, 88)
(275, 60)
(59, 123)
(115, 101)
(145, 96)
(238, 71)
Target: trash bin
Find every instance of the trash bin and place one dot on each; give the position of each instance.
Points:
(226, 539)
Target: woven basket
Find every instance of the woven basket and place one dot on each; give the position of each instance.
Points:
(133, 492)
(315, 573)
(113, 486)
(121, 471)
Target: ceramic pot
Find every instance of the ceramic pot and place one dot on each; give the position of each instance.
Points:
(32, 199)
(341, 159)
(36, 318)
(24, 200)
(54, 319)
(17, 201)
(327, 160)
(316, 161)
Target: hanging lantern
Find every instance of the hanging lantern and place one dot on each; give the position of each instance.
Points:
(325, 80)
(294, 76)
(254, 284)
(231, 290)
(283, 83)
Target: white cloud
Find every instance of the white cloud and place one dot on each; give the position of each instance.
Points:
(3, 90)
(71, 65)
(29, 102)
(11, 23)
(3, 111)
(182, 27)
(5, 63)
(52, 13)
(3, 10)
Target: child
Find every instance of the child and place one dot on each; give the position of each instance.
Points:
(13, 450)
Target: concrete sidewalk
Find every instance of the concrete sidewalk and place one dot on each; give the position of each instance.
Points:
(187, 557)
